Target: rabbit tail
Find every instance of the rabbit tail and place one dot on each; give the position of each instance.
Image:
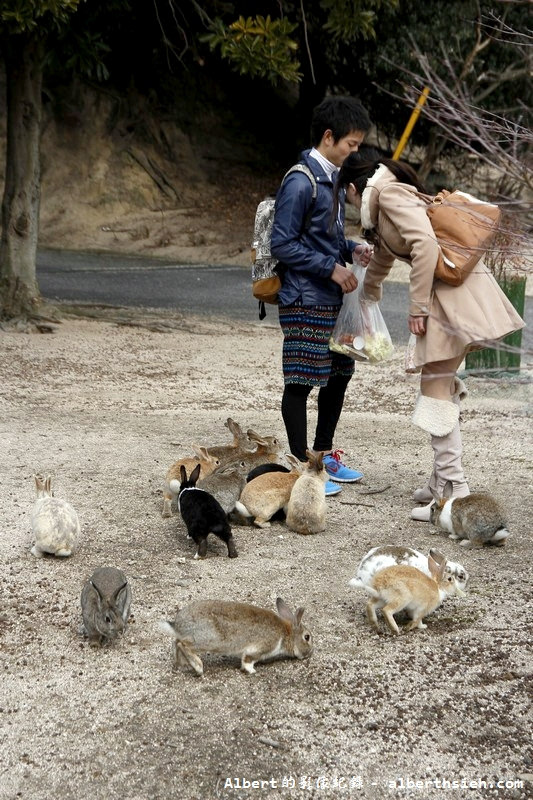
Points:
(357, 583)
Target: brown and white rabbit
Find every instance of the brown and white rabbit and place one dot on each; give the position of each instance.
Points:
(266, 494)
(475, 520)
(388, 555)
(306, 509)
(240, 630)
(54, 522)
(203, 514)
(207, 462)
(226, 483)
(404, 588)
(105, 605)
(234, 451)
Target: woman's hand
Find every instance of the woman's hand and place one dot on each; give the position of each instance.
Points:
(345, 278)
(363, 253)
(417, 325)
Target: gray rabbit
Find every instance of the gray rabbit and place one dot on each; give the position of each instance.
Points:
(226, 483)
(105, 605)
(474, 520)
(240, 630)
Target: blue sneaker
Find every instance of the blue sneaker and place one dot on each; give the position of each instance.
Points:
(338, 471)
(332, 488)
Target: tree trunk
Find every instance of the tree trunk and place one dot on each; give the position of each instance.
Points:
(434, 148)
(19, 292)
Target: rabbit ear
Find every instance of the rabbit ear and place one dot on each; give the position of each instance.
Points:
(200, 451)
(183, 474)
(38, 482)
(195, 474)
(299, 615)
(48, 484)
(448, 489)
(436, 564)
(284, 611)
(119, 590)
(296, 463)
(235, 429)
(255, 437)
(97, 590)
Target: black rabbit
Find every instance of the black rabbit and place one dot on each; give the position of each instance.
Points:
(203, 514)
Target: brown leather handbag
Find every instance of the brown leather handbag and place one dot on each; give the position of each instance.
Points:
(464, 228)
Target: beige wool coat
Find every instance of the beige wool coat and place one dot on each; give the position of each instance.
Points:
(459, 318)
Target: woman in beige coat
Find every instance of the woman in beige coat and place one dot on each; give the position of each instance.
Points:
(447, 321)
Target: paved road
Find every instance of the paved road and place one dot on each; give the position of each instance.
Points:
(199, 289)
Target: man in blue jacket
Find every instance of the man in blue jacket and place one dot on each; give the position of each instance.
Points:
(312, 247)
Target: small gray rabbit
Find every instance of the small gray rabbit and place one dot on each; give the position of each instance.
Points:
(54, 522)
(105, 605)
(475, 520)
(226, 483)
(237, 629)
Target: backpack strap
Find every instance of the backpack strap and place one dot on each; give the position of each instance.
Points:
(299, 167)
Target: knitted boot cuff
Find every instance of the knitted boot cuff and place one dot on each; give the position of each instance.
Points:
(437, 417)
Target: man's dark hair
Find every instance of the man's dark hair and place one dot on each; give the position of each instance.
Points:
(340, 115)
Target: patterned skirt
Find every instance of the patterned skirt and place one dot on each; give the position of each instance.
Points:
(306, 357)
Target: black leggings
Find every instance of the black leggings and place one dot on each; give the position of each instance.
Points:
(294, 412)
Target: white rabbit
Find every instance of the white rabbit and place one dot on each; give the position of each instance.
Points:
(54, 522)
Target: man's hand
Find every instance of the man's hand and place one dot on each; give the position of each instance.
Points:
(417, 325)
(345, 278)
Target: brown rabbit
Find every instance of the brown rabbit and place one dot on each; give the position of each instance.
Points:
(400, 588)
(207, 462)
(233, 452)
(306, 510)
(268, 449)
(263, 496)
(237, 629)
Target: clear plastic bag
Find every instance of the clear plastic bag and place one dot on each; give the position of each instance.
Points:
(360, 331)
(410, 365)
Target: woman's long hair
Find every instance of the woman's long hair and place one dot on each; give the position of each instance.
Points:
(358, 168)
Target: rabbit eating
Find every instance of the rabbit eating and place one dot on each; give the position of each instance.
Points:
(240, 630)
(388, 555)
(105, 605)
(268, 493)
(203, 514)
(401, 587)
(207, 462)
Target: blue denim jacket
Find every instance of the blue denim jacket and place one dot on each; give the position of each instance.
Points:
(309, 255)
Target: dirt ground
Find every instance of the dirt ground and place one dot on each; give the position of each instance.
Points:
(105, 408)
